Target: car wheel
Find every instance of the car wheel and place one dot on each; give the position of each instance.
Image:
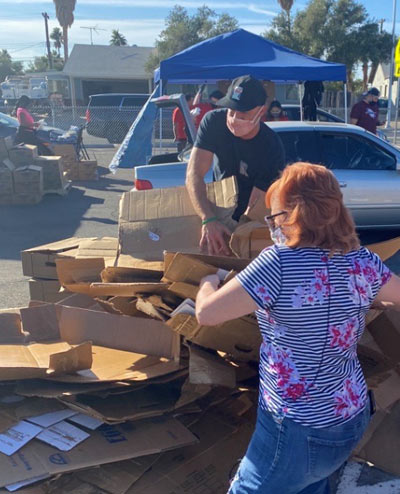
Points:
(116, 133)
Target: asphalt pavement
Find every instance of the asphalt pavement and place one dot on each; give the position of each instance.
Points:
(91, 210)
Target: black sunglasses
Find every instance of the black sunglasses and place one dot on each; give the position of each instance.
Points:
(270, 220)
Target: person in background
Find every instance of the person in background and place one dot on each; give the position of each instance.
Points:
(243, 147)
(200, 109)
(365, 113)
(27, 126)
(178, 123)
(275, 113)
(310, 292)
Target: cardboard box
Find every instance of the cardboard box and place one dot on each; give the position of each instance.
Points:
(249, 239)
(23, 154)
(28, 180)
(87, 170)
(65, 150)
(53, 179)
(6, 143)
(105, 247)
(46, 290)
(27, 198)
(39, 262)
(152, 221)
(105, 445)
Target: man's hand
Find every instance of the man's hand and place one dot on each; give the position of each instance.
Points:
(213, 238)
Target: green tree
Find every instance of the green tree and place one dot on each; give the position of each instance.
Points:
(182, 30)
(41, 64)
(65, 15)
(7, 66)
(117, 38)
(57, 37)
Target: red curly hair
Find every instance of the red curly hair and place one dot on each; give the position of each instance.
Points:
(316, 213)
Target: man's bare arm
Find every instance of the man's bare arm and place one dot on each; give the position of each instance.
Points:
(199, 164)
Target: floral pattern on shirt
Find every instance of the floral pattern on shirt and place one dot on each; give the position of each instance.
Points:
(363, 274)
(280, 363)
(314, 292)
(344, 335)
(263, 294)
(350, 399)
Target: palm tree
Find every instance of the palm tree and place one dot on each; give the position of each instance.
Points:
(117, 39)
(57, 37)
(65, 16)
(286, 5)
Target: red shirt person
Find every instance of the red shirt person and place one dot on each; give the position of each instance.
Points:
(365, 113)
(178, 123)
(200, 109)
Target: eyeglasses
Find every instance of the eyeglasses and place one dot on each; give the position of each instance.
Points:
(270, 220)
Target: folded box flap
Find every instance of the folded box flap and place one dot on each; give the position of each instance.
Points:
(129, 275)
(75, 359)
(77, 274)
(41, 322)
(11, 326)
(386, 249)
(188, 269)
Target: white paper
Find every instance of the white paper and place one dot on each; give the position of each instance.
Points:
(63, 436)
(24, 483)
(186, 307)
(51, 418)
(87, 421)
(17, 436)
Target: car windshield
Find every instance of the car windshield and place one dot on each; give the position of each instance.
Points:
(7, 120)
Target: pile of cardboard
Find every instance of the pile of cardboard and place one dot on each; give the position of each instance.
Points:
(73, 167)
(25, 176)
(39, 263)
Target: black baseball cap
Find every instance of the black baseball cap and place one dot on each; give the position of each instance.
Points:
(244, 94)
(374, 91)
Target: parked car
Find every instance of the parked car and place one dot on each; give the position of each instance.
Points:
(293, 113)
(367, 168)
(110, 116)
(9, 127)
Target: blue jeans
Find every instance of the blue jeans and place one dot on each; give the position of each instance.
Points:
(284, 457)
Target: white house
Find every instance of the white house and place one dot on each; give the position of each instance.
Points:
(381, 81)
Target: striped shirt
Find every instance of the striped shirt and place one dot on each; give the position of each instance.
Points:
(311, 315)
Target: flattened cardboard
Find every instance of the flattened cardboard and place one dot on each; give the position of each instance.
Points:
(124, 289)
(387, 249)
(39, 262)
(239, 337)
(130, 275)
(188, 269)
(380, 445)
(11, 326)
(124, 348)
(39, 360)
(209, 368)
(184, 290)
(207, 467)
(153, 220)
(106, 247)
(105, 445)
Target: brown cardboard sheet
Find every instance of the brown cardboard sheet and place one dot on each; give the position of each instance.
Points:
(151, 221)
(240, 337)
(207, 367)
(105, 445)
(220, 262)
(386, 249)
(249, 239)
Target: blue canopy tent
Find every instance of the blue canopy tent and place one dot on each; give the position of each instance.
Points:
(240, 52)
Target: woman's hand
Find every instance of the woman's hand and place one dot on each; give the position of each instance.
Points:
(213, 279)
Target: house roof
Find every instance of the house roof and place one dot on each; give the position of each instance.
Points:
(108, 62)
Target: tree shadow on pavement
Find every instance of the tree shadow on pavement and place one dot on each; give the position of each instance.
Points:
(55, 218)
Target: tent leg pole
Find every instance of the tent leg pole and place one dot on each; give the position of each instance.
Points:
(345, 104)
(161, 93)
(301, 106)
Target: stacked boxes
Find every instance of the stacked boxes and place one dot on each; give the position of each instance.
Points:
(25, 176)
(75, 169)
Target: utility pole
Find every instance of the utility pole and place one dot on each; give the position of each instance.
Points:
(46, 24)
(389, 112)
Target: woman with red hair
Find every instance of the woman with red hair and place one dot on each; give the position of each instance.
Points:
(310, 292)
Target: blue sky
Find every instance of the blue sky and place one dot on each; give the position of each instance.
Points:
(22, 27)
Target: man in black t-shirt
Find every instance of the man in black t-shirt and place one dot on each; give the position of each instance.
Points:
(244, 148)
